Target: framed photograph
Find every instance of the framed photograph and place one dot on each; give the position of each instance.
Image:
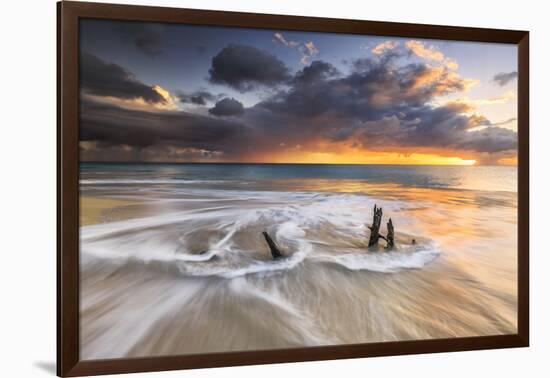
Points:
(239, 188)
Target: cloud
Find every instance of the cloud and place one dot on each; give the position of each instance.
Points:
(100, 78)
(197, 97)
(146, 37)
(280, 38)
(384, 46)
(443, 127)
(510, 123)
(504, 78)
(122, 152)
(505, 122)
(246, 68)
(307, 50)
(423, 51)
(122, 118)
(315, 72)
(497, 100)
(169, 101)
(227, 107)
(502, 99)
(112, 128)
(451, 64)
(379, 105)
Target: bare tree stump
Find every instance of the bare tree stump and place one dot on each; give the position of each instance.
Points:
(390, 237)
(275, 251)
(375, 228)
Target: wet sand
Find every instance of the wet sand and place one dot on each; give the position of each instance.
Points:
(95, 210)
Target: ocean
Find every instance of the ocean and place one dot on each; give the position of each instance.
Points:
(173, 260)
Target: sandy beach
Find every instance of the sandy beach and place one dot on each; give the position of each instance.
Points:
(95, 210)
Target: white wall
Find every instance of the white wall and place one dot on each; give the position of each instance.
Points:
(27, 148)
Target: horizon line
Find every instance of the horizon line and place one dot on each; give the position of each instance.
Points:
(274, 163)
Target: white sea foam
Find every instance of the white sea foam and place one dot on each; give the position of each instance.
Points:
(294, 221)
(384, 262)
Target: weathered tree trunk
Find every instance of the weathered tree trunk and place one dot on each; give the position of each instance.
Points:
(390, 237)
(275, 251)
(375, 228)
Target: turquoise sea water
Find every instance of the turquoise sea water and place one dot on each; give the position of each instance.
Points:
(493, 178)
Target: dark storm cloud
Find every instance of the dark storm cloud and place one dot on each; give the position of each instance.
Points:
(374, 88)
(197, 97)
(490, 139)
(379, 104)
(118, 133)
(111, 125)
(146, 37)
(315, 72)
(504, 78)
(246, 68)
(443, 127)
(227, 107)
(98, 77)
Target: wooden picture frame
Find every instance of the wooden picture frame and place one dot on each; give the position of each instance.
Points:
(69, 14)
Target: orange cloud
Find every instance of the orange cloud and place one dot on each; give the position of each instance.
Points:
(169, 100)
(169, 103)
(442, 80)
(451, 64)
(381, 47)
(423, 51)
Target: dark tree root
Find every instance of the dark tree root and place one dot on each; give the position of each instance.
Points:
(275, 251)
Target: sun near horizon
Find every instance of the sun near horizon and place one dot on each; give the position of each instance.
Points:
(387, 158)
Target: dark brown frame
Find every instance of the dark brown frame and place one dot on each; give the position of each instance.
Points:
(68, 15)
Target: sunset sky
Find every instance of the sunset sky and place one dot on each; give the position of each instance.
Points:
(179, 93)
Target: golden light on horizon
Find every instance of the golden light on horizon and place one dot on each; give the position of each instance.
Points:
(508, 161)
(364, 157)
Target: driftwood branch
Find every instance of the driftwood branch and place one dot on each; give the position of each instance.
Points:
(390, 238)
(275, 251)
(375, 230)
